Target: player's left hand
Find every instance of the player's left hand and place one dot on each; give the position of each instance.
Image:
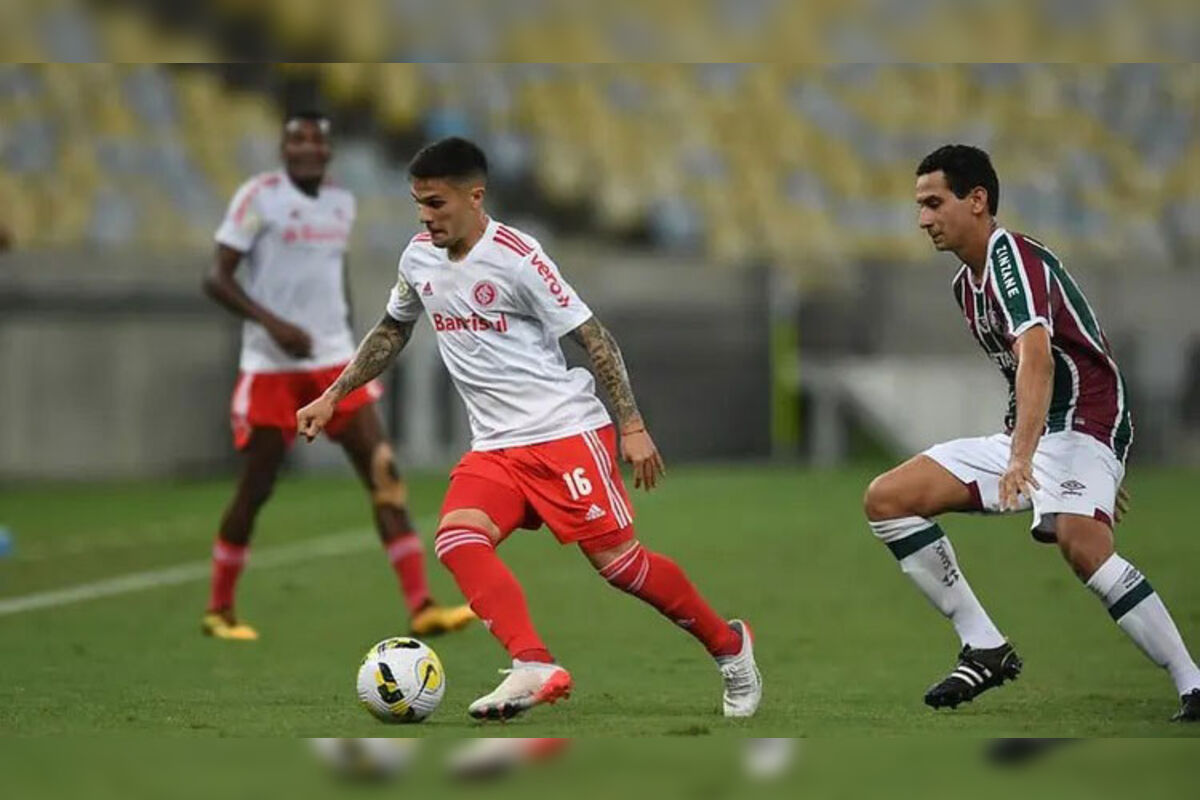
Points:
(1017, 480)
(638, 449)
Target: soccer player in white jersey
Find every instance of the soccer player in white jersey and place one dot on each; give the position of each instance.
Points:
(544, 450)
(1062, 453)
(290, 228)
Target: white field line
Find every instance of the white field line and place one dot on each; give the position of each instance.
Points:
(334, 544)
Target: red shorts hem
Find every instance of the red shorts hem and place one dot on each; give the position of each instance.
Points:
(271, 400)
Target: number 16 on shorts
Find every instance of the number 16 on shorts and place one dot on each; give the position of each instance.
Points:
(577, 483)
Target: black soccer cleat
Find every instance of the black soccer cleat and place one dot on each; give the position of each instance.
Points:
(977, 671)
(1189, 707)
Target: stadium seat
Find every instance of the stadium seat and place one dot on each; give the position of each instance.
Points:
(720, 154)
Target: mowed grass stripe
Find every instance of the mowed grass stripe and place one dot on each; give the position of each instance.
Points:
(335, 544)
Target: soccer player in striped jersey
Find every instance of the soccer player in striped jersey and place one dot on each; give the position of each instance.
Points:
(1062, 454)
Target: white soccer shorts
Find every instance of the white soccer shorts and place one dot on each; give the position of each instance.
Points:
(1078, 475)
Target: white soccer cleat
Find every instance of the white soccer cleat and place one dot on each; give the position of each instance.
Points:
(743, 681)
(528, 684)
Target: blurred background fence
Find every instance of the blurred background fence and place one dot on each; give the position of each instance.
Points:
(747, 230)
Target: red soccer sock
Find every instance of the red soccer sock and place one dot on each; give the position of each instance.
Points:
(408, 560)
(663, 584)
(227, 562)
(491, 589)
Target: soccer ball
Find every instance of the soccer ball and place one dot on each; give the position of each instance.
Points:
(401, 680)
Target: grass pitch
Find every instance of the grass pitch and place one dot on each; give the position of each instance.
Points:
(846, 645)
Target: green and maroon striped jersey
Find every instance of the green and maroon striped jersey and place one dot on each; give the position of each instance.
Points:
(1024, 284)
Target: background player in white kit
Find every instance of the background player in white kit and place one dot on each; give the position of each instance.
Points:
(543, 446)
(291, 229)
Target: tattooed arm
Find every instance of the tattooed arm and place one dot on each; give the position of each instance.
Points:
(376, 352)
(637, 447)
(609, 367)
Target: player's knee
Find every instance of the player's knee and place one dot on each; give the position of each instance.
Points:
(464, 525)
(258, 491)
(624, 566)
(883, 501)
(1084, 560)
(600, 557)
(388, 490)
(1085, 544)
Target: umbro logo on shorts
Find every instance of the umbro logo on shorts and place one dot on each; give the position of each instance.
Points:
(1072, 487)
(595, 512)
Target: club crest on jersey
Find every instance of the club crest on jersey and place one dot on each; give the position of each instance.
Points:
(485, 293)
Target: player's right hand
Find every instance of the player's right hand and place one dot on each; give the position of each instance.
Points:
(313, 418)
(291, 339)
(1017, 482)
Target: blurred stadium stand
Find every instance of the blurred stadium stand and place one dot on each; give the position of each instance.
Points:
(805, 167)
(786, 188)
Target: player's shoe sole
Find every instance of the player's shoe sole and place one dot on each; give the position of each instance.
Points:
(510, 700)
(436, 620)
(224, 626)
(1189, 708)
(976, 672)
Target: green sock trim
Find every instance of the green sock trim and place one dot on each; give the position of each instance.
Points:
(1130, 599)
(903, 548)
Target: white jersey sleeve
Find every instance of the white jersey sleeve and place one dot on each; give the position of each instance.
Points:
(243, 220)
(404, 304)
(548, 296)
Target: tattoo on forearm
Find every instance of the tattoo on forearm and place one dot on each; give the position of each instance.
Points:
(374, 355)
(609, 366)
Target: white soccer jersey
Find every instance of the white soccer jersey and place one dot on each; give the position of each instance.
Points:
(498, 315)
(295, 248)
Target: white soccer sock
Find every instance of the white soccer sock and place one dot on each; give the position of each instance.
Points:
(1139, 611)
(925, 555)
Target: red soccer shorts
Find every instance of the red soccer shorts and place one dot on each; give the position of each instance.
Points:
(271, 400)
(571, 485)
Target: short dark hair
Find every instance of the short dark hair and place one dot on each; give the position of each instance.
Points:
(309, 115)
(454, 157)
(965, 167)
